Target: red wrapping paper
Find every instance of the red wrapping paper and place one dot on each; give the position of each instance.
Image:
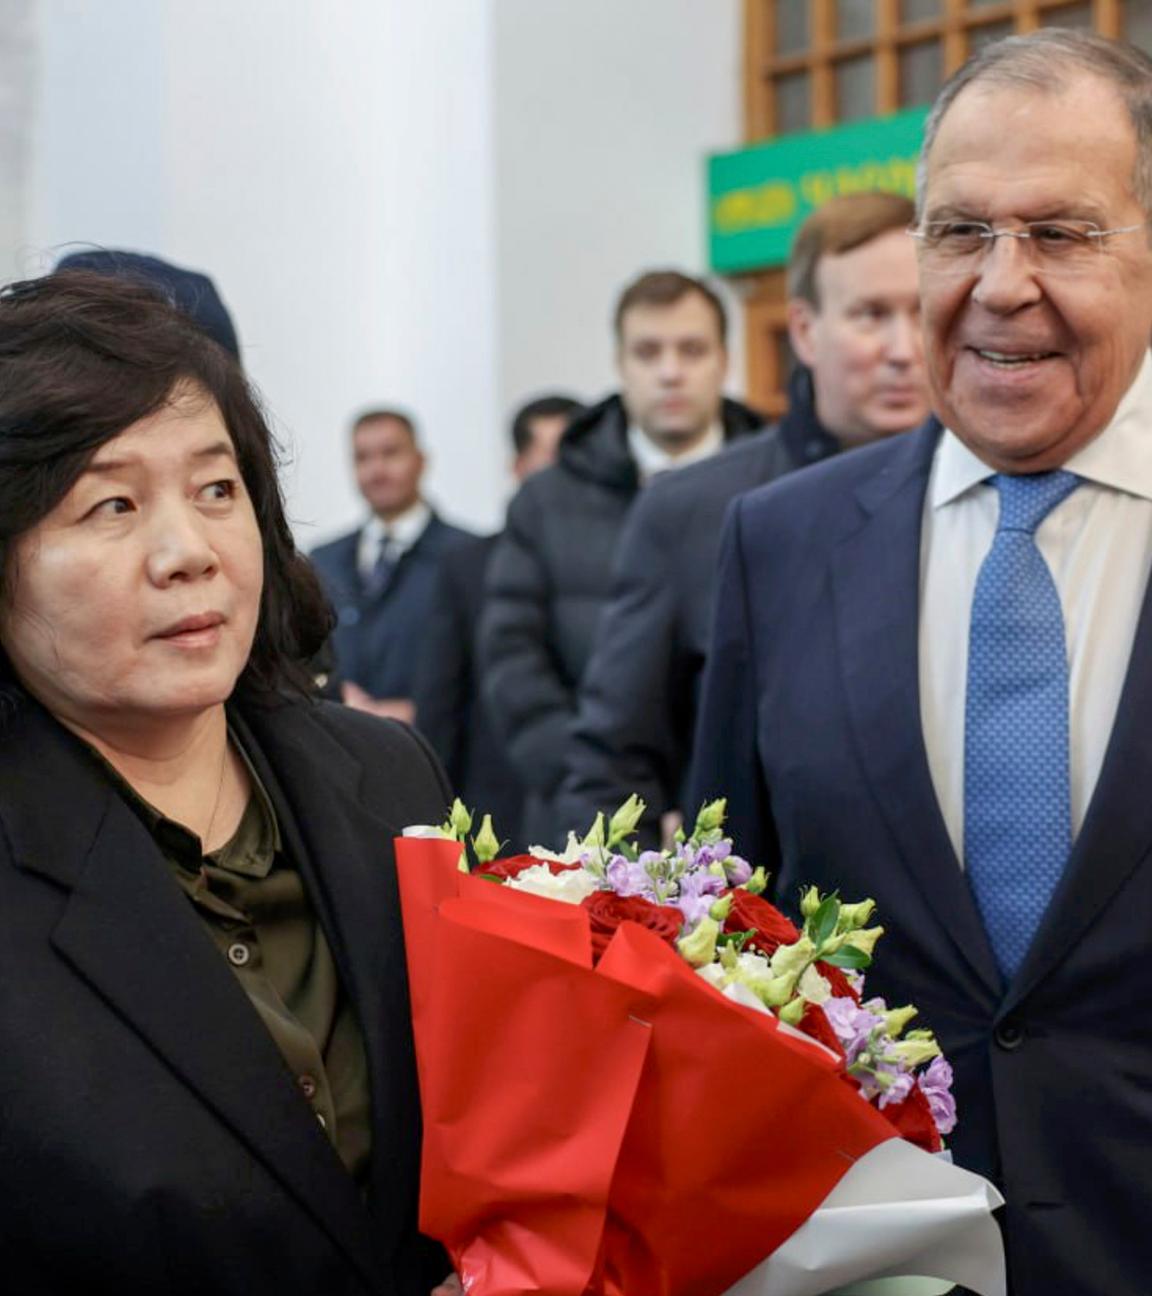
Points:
(608, 1130)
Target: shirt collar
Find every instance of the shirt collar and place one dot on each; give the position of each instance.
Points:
(403, 531)
(652, 459)
(1118, 457)
(251, 850)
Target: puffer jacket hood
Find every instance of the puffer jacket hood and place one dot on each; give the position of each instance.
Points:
(595, 446)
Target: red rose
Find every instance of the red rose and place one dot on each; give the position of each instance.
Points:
(816, 1024)
(753, 913)
(514, 865)
(607, 910)
(913, 1118)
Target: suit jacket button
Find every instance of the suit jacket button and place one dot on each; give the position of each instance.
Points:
(1009, 1034)
(239, 954)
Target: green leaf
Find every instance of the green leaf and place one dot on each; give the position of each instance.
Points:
(490, 877)
(847, 956)
(822, 924)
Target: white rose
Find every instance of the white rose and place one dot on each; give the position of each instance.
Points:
(573, 852)
(571, 886)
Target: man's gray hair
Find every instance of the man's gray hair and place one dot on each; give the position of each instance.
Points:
(1046, 60)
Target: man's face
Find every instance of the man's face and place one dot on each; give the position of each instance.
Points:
(863, 342)
(1027, 366)
(388, 466)
(672, 365)
(545, 431)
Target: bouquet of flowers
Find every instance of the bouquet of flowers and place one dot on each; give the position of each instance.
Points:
(662, 1085)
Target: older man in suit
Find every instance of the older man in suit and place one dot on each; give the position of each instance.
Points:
(931, 671)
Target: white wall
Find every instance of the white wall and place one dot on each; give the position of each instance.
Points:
(605, 110)
(329, 164)
(427, 204)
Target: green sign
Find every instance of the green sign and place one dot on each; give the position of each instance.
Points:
(758, 196)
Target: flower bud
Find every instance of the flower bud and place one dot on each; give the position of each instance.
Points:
(757, 883)
(854, 916)
(895, 1019)
(721, 909)
(793, 958)
(792, 1012)
(459, 823)
(737, 871)
(865, 939)
(595, 835)
(913, 1052)
(711, 817)
(699, 947)
(486, 844)
(624, 822)
(809, 902)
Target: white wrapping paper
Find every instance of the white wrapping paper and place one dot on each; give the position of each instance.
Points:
(898, 1212)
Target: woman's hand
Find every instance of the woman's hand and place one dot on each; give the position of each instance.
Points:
(449, 1287)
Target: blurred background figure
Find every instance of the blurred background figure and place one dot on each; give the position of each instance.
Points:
(380, 578)
(188, 290)
(550, 574)
(450, 707)
(854, 324)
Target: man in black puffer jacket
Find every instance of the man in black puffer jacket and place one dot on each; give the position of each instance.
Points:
(551, 573)
(854, 314)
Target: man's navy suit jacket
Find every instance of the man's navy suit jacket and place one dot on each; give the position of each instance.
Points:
(810, 725)
(378, 635)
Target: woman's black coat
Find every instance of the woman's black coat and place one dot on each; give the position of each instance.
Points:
(152, 1139)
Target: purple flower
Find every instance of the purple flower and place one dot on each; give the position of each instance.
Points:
(629, 877)
(698, 892)
(900, 1086)
(936, 1084)
(737, 870)
(852, 1023)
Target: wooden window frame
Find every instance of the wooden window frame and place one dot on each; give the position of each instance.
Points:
(764, 294)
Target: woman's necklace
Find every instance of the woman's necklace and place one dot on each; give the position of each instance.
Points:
(216, 803)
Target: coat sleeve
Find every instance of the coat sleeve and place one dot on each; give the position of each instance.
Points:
(626, 738)
(725, 758)
(530, 702)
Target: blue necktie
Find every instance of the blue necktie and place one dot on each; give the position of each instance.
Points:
(1017, 803)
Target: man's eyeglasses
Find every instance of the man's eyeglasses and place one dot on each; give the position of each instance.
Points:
(1052, 246)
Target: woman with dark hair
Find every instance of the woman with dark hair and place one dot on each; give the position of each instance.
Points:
(206, 1071)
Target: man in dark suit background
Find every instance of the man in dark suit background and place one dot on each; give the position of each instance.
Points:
(451, 710)
(854, 314)
(931, 672)
(381, 577)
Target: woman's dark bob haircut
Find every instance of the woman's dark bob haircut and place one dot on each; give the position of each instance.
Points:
(83, 356)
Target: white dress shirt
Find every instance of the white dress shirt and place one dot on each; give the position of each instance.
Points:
(652, 459)
(399, 535)
(1098, 546)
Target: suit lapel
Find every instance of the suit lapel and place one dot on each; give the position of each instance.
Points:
(128, 931)
(345, 855)
(876, 588)
(1116, 836)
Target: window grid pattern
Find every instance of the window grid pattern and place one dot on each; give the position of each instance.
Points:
(830, 50)
(812, 63)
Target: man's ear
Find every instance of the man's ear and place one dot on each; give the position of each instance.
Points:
(802, 316)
